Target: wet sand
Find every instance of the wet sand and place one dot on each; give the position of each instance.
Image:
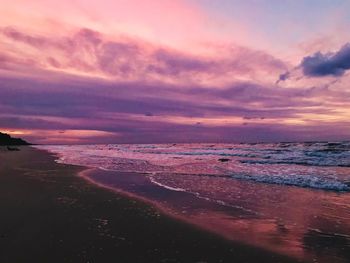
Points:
(304, 224)
(48, 214)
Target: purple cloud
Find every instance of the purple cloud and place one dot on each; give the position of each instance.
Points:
(85, 104)
(136, 102)
(89, 51)
(330, 64)
(283, 77)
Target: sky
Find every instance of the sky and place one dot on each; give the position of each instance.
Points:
(168, 71)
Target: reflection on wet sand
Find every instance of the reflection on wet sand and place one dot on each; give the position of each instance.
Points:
(310, 225)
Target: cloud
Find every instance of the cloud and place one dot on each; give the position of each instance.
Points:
(329, 64)
(84, 98)
(156, 112)
(132, 91)
(122, 58)
(283, 77)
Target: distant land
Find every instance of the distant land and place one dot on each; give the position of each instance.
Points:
(6, 139)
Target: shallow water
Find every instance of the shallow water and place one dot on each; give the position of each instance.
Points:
(291, 198)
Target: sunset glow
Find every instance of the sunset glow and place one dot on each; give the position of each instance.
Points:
(174, 71)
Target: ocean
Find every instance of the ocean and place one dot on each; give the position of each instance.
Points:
(291, 198)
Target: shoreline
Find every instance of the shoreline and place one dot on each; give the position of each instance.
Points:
(52, 215)
(215, 225)
(90, 173)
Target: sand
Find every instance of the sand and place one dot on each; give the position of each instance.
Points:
(49, 214)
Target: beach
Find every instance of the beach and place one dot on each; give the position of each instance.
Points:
(163, 131)
(290, 199)
(50, 214)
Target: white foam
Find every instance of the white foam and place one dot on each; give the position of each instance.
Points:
(177, 189)
(294, 180)
(302, 165)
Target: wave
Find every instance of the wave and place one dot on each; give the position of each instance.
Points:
(246, 166)
(305, 181)
(200, 196)
(249, 155)
(177, 189)
(316, 162)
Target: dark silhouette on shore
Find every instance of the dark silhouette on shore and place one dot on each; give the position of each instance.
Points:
(12, 149)
(6, 139)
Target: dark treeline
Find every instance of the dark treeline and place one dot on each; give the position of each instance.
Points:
(6, 139)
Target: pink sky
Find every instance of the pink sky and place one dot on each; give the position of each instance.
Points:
(168, 71)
